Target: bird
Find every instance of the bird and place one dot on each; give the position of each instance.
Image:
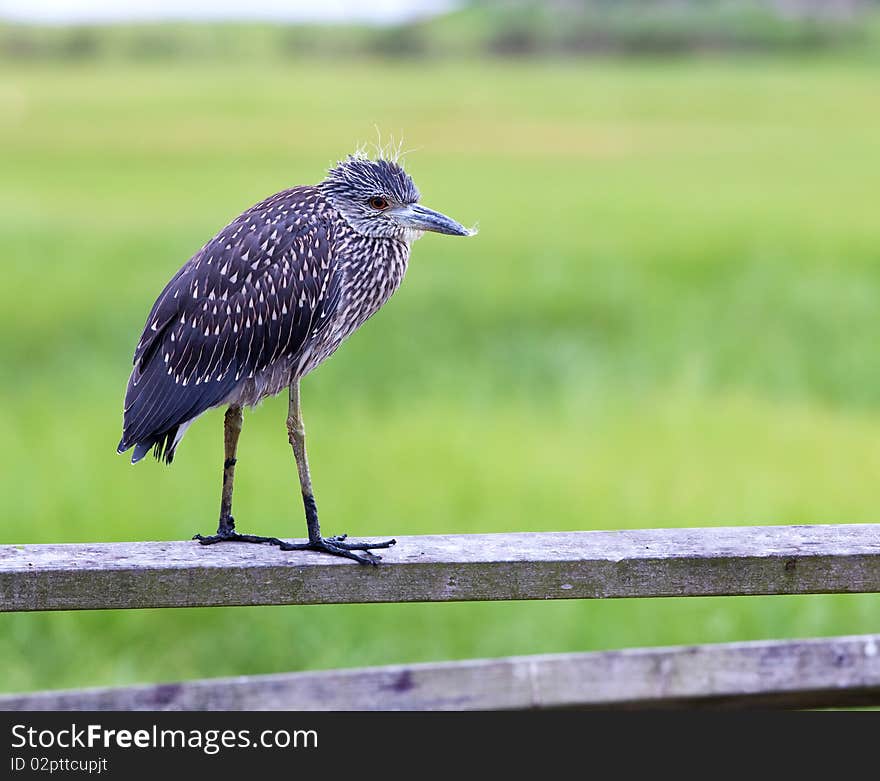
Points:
(263, 303)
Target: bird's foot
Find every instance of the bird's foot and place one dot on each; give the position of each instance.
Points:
(235, 537)
(226, 533)
(337, 546)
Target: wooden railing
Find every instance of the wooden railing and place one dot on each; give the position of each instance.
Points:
(564, 565)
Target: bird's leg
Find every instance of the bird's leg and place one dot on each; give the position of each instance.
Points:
(231, 429)
(296, 433)
(226, 528)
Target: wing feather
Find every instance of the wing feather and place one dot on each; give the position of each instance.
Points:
(228, 314)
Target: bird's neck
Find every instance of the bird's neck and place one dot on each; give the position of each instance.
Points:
(373, 267)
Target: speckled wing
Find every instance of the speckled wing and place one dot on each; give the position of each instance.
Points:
(250, 297)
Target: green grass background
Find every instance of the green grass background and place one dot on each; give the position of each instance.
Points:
(670, 318)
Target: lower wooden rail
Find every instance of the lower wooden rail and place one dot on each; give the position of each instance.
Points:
(826, 672)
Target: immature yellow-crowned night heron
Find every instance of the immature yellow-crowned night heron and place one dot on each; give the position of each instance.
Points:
(265, 301)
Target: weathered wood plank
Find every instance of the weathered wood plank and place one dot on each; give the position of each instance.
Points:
(560, 565)
(801, 673)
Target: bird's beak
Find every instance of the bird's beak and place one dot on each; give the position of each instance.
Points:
(419, 218)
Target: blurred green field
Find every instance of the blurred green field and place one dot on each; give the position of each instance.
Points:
(670, 317)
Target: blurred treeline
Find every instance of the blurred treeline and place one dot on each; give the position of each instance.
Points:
(515, 28)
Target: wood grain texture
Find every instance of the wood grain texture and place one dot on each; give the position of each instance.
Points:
(803, 673)
(559, 565)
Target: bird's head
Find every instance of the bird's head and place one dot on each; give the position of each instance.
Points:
(378, 198)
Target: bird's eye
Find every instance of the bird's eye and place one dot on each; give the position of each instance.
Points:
(378, 202)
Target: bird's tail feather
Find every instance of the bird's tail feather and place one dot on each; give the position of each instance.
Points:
(163, 446)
